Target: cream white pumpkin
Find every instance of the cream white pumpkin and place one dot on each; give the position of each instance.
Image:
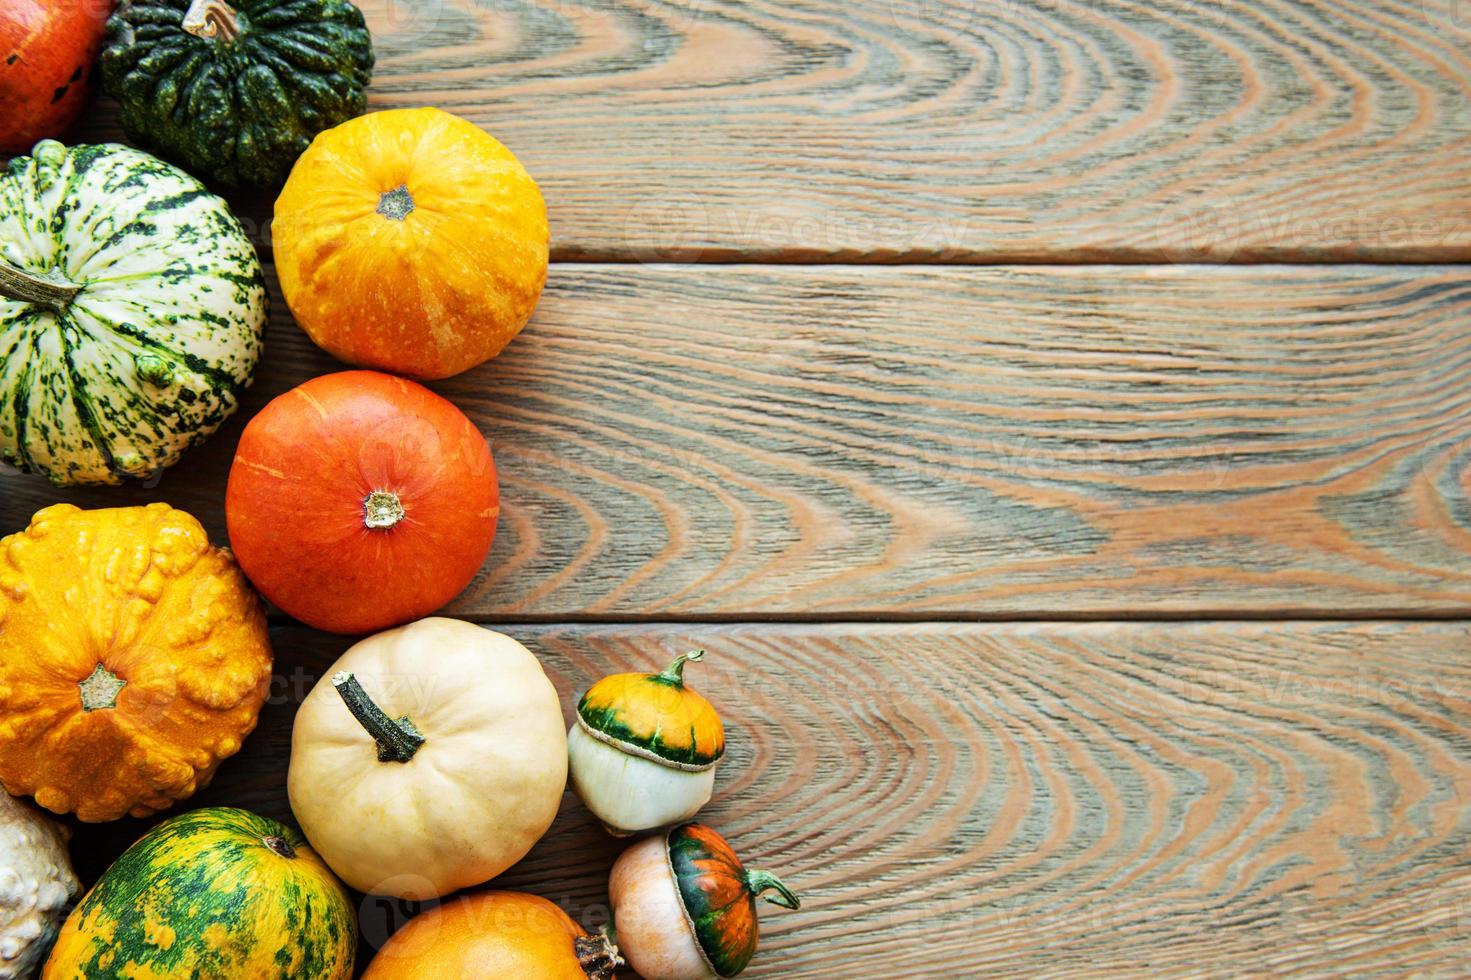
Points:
(462, 773)
(36, 886)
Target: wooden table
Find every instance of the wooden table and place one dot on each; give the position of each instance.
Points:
(1053, 417)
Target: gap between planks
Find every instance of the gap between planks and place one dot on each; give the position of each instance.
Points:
(278, 620)
(980, 444)
(571, 256)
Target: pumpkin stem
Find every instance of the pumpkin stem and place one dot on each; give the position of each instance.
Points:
(397, 204)
(397, 739)
(212, 18)
(100, 689)
(28, 287)
(279, 845)
(674, 673)
(763, 881)
(382, 510)
(597, 956)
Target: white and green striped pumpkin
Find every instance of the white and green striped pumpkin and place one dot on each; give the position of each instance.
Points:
(132, 307)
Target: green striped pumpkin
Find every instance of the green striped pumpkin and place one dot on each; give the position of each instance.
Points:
(207, 895)
(132, 308)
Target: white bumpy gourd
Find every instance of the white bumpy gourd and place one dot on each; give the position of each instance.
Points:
(36, 886)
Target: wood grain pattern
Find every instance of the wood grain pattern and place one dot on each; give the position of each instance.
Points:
(957, 130)
(1014, 800)
(997, 442)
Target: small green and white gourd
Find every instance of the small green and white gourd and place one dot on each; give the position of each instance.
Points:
(132, 309)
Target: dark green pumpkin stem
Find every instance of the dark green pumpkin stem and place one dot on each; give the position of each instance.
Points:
(397, 740)
(27, 287)
(764, 881)
(674, 673)
(212, 19)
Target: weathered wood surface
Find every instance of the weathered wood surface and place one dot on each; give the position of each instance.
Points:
(731, 442)
(960, 130)
(988, 800)
(1041, 442)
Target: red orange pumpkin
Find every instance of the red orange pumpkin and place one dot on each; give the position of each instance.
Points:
(359, 501)
(48, 54)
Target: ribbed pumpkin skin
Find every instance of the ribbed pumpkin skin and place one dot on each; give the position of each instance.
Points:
(651, 713)
(203, 897)
(489, 934)
(712, 883)
(237, 111)
(151, 356)
(140, 592)
(429, 293)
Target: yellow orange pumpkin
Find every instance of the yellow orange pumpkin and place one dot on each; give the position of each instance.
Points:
(134, 657)
(411, 241)
(495, 934)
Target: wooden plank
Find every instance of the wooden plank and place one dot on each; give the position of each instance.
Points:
(953, 130)
(997, 442)
(969, 800)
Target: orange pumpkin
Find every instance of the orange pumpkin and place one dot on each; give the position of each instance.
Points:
(134, 657)
(360, 501)
(411, 241)
(48, 52)
(494, 934)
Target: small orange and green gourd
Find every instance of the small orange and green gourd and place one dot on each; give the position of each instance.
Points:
(684, 906)
(644, 749)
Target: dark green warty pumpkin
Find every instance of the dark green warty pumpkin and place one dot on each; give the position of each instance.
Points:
(236, 93)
